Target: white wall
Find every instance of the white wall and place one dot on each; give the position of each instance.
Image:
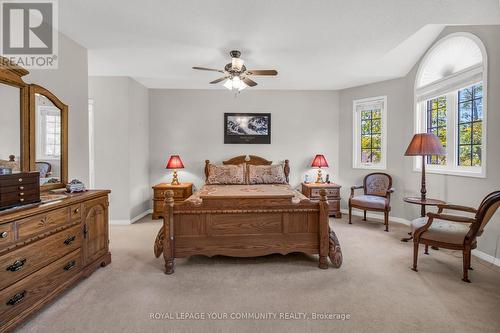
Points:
(70, 84)
(121, 144)
(454, 189)
(191, 123)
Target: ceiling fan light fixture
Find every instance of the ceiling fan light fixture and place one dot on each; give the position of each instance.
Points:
(243, 85)
(237, 64)
(228, 84)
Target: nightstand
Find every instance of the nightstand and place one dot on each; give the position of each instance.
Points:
(311, 190)
(181, 193)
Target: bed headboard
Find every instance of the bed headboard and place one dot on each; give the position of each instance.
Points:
(249, 159)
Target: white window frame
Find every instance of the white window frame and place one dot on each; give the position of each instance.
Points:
(41, 148)
(358, 105)
(449, 87)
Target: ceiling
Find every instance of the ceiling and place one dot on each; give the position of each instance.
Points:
(315, 44)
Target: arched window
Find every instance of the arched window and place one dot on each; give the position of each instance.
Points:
(450, 101)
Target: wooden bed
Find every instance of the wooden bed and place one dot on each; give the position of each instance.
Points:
(246, 221)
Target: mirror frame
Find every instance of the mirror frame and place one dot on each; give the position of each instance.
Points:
(36, 89)
(11, 74)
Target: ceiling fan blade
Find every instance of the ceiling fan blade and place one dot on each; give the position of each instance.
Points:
(271, 72)
(249, 82)
(219, 79)
(209, 69)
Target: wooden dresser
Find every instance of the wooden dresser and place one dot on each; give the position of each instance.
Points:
(46, 248)
(181, 193)
(311, 190)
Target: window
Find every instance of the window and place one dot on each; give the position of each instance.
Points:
(470, 125)
(450, 94)
(436, 123)
(49, 135)
(369, 150)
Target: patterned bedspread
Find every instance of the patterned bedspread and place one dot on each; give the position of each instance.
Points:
(246, 191)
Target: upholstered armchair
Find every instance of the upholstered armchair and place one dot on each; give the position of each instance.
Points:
(377, 188)
(44, 168)
(452, 231)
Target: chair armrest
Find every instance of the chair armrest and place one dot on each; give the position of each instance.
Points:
(457, 207)
(453, 218)
(356, 187)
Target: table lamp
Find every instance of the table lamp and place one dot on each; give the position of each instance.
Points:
(175, 162)
(425, 144)
(319, 162)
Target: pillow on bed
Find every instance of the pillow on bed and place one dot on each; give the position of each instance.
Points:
(266, 174)
(226, 174)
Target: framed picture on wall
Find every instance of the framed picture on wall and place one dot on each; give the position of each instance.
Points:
(248, 128)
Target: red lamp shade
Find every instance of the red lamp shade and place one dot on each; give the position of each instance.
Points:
(424, 144)
(319, 162)
(174, 162)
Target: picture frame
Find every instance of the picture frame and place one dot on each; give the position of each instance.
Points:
(247, 128)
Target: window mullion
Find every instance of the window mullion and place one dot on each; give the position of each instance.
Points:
(451, 130)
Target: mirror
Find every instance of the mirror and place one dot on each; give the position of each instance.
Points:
(48, 123)
(48, 140)
(10, 135)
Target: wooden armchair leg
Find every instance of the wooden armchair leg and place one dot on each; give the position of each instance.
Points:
(415, 256)
(386, 221)
(350, 214)
(364, 215)
(466, 264)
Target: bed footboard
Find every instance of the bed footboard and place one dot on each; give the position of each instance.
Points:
(246, 228)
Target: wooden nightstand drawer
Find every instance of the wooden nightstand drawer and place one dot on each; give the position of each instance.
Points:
(181, 193)
(330, 192)
(313, 190)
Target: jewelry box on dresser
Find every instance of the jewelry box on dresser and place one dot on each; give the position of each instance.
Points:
(49, 239)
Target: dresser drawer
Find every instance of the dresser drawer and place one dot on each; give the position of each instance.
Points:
(76, 212)
(6, 234)
(42, 223)
(330, 192)
(19, 263)
(22, 295)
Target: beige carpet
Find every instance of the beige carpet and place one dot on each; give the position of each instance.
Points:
(375, 287)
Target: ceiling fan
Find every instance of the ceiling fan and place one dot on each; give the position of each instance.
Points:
(236, 74)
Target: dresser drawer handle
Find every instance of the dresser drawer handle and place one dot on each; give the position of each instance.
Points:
(69, 240)
(76, 210)
(4, 234)
(21, 200)
(21, 188)
(20, 180)
(70, 265)
(17, 298)
(17, 265)
(21, 194)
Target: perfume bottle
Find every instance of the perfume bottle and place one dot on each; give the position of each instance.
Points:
(328, 178)
(306, 179)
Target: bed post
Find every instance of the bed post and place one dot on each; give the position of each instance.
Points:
(286, 169)
(207, 162)
(168, 229)
(324, 242)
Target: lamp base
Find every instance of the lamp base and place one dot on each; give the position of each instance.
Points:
(175, 180)
(319, 179)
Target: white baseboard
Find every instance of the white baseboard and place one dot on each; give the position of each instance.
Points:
(133, 220)
(476, 252)
(377, 216)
